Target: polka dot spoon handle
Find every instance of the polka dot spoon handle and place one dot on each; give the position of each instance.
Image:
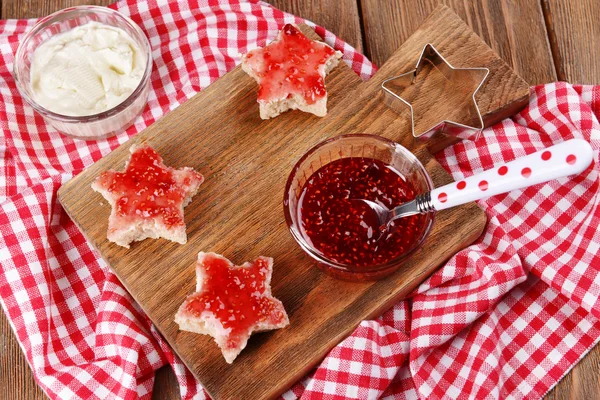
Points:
(567, 158)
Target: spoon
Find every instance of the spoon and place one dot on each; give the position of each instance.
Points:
(567, 158)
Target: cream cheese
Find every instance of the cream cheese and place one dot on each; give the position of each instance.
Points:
(86, 70)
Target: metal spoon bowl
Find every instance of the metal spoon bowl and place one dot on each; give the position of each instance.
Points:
(564, 159)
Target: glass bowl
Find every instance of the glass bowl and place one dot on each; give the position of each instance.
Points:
(355, 145)
(96, 126)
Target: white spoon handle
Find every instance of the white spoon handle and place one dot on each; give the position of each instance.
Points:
(567, 158)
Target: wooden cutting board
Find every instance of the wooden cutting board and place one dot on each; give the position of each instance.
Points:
(238, 211)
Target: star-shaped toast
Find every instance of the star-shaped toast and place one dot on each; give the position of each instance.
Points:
(290, 72)
(148, 198)
(231, 302)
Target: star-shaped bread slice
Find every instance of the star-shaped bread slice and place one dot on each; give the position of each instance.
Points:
(231, 302)
(290, 72)
(148, 198)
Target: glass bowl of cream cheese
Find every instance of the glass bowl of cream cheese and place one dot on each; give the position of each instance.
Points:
(86, 70)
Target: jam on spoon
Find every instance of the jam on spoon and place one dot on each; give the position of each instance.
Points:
(347, 231)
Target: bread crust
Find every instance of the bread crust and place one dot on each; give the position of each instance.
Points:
(207, 324)
(124, 233)
(274, 107)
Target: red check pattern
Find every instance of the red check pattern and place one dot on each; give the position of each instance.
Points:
(505, 318)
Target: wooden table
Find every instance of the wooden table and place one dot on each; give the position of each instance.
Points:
(543, 40)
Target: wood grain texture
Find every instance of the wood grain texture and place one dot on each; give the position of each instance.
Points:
(216, 133)
(340, 16)
(574, 31)
(582, 382)
(166, 386)
(40, 8)
(515, 30)
(16, 377)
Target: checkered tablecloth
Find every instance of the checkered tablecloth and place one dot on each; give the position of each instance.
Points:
(505, 318)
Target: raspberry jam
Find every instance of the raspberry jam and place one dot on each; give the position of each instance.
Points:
(347, 231)
(148, 188)
(294, 64)
(236, 296)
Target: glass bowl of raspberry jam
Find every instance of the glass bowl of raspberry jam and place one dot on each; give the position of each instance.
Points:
(341, 233)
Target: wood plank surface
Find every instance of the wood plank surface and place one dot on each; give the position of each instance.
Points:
(16, 377)
(41, 8)
(582, 382)
(574, 35)
(526, 52)
(574, 31)
(340, 17)
(515, 30)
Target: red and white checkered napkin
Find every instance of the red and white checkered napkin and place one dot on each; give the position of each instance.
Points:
(506, 317)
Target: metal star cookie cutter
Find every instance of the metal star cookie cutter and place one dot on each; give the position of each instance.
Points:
(466, 80)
